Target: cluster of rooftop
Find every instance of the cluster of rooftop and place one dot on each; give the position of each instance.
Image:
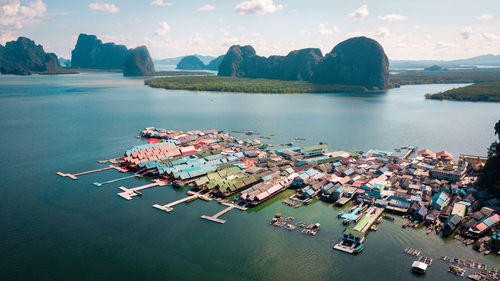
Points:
(430, 188)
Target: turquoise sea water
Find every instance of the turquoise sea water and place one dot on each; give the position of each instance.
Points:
(54, 228)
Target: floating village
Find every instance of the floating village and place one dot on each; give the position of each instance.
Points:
(435, 191)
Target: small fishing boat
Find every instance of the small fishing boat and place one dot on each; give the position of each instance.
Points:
(347, 221)
(340, 214)
(387, 217)
(359, 248)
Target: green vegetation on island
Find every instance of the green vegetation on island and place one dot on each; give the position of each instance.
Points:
(246, 85)
(490, 176)
(488, 91)
(443, 77)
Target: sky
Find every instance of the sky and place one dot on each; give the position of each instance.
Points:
(408, 30)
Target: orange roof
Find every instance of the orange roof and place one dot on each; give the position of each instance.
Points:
(426, 153)
(445, 155)
(481, 226)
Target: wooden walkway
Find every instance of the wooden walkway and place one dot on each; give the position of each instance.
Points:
(129, 193)
(75, 176)
(193, 196)
(230, 206)
(410, 151)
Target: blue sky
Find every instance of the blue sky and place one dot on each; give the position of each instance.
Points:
(443, 29)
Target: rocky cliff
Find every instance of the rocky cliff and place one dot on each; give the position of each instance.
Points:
(24, 57)
(139, 63)
(356, 61)
(90, 52)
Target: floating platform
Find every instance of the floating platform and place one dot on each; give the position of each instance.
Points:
(344, 248)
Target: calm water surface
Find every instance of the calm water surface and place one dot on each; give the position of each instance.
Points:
(54, 228)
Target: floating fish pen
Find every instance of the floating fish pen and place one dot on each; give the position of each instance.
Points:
(413, 252)
(456, 270)
(279, 221)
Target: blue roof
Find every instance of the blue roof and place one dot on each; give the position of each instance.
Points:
(439, 198)
(349, 172)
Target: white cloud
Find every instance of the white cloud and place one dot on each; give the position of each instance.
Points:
(304, 32)
(6, 37)
(361, 13)
(466, 32)
(206, 8)
(485, 17)
(258, 7)
(325, 30)
(197, 41)
(445, 45)
(161, 3)
(230, 41)
(104, 7)
(14, 15)
(164, 28)
(488, 36)
(135, 21)
(382, 32)
(224, 30)
(392, 17)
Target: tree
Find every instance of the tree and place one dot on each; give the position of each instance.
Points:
(490, 177)
(497, 129)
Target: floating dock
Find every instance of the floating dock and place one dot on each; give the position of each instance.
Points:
(75, 176)
(129, 193)
(230, 206)
(193, 196)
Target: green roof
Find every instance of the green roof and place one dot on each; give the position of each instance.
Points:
(362, 223)
(315, 147)
(354, 233)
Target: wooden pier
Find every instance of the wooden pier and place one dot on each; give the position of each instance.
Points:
(374, 213)
(193, 196)
(410, 151)
(129, 193)
(230, 206)
(75, 176)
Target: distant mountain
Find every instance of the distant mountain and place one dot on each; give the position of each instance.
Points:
(359, 61)
(194, 63)
(214, 64)
(24, 57)
(175, 61)
(191, 63)
(64, 62)
(484, 60)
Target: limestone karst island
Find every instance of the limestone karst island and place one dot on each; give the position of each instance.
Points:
(250, 140)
